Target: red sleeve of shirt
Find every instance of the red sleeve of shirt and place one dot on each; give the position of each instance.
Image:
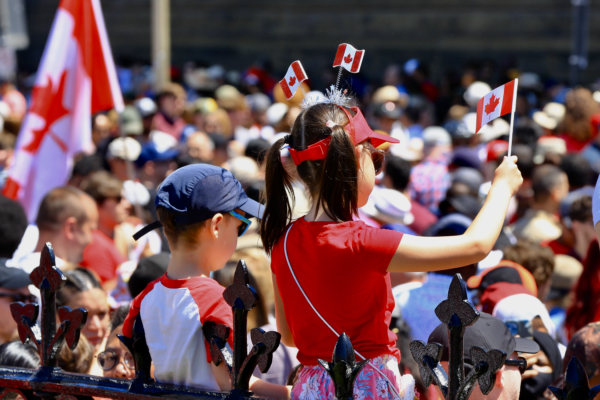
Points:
(212, 307)
(102, 257)
(134, 310)
(377, 247)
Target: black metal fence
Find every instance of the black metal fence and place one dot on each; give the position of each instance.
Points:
(49, 381)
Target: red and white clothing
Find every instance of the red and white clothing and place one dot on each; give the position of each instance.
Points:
(342, 268)
(173, 313)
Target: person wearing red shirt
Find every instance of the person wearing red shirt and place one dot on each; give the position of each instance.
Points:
(330, 273)
(101, 255)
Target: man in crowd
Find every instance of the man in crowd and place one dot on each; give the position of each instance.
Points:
(489, 333)
(102, 256)
(550, 186)
(66, 218)
(171, 104)
(397, 176)
(536, 259)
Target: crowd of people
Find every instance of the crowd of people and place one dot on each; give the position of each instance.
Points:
(441, 203)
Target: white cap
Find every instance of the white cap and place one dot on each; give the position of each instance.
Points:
(436, 136)
(125, 148)
(389, 206)
(276, 112)
(244, 169)
(475, 92)
(523, 307)
(162, 140)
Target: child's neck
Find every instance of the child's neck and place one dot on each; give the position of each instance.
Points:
(313, 216)
(187, 263)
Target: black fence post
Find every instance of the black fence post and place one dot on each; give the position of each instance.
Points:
(242, 298)
(576, 384)
(343, 368)
(458, 314)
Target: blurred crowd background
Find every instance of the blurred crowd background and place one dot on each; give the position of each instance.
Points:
(543, 276)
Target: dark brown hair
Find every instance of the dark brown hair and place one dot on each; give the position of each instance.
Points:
(331, 182)
(102, 185)
(536, 259)
(579, 108)
(58, 205)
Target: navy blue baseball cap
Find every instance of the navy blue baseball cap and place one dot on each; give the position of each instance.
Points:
(197, 192)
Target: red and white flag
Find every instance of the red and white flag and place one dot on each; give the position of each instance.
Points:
(496, 103)
(348, 57)
(76, 78)
(294, 76)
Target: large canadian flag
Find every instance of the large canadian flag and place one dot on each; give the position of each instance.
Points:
(294, 76)
(496, 103)
(76, 78)
(348, 57)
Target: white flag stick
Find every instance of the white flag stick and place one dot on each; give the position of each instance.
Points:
(512, 117)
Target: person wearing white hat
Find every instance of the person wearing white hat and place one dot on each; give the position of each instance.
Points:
(122, 151)
(525, 307)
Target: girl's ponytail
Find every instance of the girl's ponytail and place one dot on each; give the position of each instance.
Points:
(278, 209)
(338, 192)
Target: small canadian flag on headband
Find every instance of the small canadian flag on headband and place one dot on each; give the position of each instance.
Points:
(295, 75)
(348, 57)
(496, 103)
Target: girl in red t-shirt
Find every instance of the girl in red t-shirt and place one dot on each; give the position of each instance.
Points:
(331, 273)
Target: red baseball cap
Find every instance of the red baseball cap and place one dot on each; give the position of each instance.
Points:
(503, 272)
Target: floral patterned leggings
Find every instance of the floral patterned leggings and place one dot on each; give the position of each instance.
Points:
(314, 383)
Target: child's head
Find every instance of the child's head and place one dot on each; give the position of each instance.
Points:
(335, 154)
(203, 204)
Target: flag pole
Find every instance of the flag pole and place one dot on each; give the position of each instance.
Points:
(512, 117)
(337, 83)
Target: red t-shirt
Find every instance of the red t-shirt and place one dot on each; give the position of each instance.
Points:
(342, 268)
(102, 256)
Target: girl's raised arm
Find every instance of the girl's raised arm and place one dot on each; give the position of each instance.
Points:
(416, 254)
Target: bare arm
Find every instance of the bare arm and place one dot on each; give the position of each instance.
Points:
(222, 376)
(282, 325)
(266, 389)
(415, 254)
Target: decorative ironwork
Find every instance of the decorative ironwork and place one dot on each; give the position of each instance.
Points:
(457, 313)
(343, 368)
(48, 279)
(242, 298)
(576, 384)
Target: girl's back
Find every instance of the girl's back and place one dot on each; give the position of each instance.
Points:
(342, 269)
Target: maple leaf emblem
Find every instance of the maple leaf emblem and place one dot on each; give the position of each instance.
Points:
(348, 59)
(491, 106)
(48, 104)
(292, 81)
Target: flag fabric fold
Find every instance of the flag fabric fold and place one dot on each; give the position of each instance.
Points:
(76, 78)
(496, 103)
(348, 58)
(294, 76)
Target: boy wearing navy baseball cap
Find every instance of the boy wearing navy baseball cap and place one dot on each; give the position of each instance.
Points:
(203, 210)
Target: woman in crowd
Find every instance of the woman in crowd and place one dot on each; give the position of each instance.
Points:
(114, 360)
(83, 289)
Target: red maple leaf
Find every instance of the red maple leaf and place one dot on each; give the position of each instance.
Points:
(48, 105)
(491, 106)
(348, 59)
(292, 81)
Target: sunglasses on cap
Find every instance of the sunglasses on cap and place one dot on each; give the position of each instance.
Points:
(245, 223)
(520, 362)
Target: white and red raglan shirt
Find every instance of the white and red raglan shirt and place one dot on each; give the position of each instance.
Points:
(173, 313)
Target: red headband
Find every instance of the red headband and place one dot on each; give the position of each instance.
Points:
(358, 130)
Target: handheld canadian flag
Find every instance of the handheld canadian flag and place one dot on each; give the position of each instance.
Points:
(294, 76)
(497, 103)
(348, 57)
(76, 78)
